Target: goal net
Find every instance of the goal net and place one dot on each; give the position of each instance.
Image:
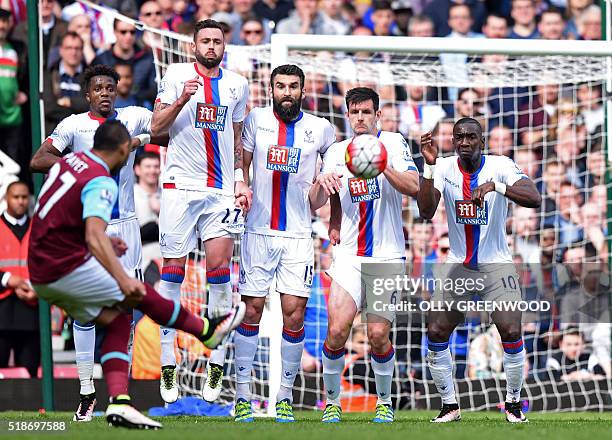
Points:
(548, 114)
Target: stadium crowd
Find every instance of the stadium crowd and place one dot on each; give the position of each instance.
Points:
(553, 133)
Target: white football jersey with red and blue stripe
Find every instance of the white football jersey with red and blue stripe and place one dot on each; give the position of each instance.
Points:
(77, 133)
(284, 166)
(201, 149)
(477, 235)
(371, 208)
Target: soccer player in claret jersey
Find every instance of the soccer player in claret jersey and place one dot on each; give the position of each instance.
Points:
(203, 188)
(476, 188)
(365, 227)
(284, 144)
(68, 229)
(76, 133)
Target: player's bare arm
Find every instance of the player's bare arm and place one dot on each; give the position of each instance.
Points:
(523, 193)
(405, 182)
(428, 196)
(335, 219)
(165, 114)
(324, 186)
(101, 248)
(242, 192)
(45, 157)
(246, 166)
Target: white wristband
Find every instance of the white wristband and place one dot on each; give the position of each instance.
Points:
(428, 171)
(5, 279)
(144, 138)
(238, 175)
(500, 188)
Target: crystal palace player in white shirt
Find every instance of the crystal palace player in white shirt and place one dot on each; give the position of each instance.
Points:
(476, 188)
(203, 189)
(284, 144)
(76, 133)
(365, 227)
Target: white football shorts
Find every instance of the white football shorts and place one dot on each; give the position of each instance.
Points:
(129, 231)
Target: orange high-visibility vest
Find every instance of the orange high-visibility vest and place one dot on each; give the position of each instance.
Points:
(354, 398)
(13, 254)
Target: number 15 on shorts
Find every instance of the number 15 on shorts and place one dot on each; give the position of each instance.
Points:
(308, 275)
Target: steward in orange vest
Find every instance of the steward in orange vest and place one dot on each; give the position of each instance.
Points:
(18, 303)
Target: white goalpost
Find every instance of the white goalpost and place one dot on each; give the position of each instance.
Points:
(544, 103)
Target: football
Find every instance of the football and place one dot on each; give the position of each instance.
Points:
(366, 156)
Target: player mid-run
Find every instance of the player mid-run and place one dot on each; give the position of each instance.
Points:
(476, 188)
(73, 264)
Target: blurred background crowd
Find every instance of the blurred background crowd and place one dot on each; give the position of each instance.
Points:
(553, 132)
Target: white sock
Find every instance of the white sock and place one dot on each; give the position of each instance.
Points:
(220, 303)
(84, 345)
(514, 364)
(333, 366)
(169, 288)
(383, 365)
(292, 346)
(440, 364)
(245, 343)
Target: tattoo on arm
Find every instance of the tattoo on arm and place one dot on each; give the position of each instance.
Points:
(238, 145)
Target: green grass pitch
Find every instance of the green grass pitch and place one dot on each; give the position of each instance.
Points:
(409, 425)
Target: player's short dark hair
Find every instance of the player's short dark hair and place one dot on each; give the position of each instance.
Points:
(288, 69)
(362, 94)
(110, 135)
(463, 121)
(206, 24)
(99, 70)
(146, 155)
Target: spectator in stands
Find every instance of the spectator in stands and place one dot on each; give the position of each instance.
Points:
(593, 220)
(18, 303)
(442, 137)
(596, 166)
(306, 19)
(389, 117)
(333, 10)
(206, 9)
(102, 19)
(383, 19)
(552, 177)
(524, 228)
(568, 220)
(589, 23)
(527, 160)
(523, 14)
(53, 29)
(568, 149)
(125, 96)
(496, 26)
(573, 11)
(252, 31)
(535, 115)
(485, 355)
(273, 10)
(500, 141)
(551, 25)
(468, 105)
(125, 49)
(13, 82)
(439, 11)
(420, 26)
(418, 115)
(183, 11)
(422, 247)
(243, 9)
(590, 105)
(572, 362)
(257, 94)
(151, 14)
(225, 20)
(81, 25)
(62, 83)
(147, 196)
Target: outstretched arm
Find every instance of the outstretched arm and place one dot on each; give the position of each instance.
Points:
(324, 186)
(523, 193)
(406, 182)
(45, 157)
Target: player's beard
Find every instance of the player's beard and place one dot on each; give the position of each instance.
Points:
(287, 114)
(209, 63)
